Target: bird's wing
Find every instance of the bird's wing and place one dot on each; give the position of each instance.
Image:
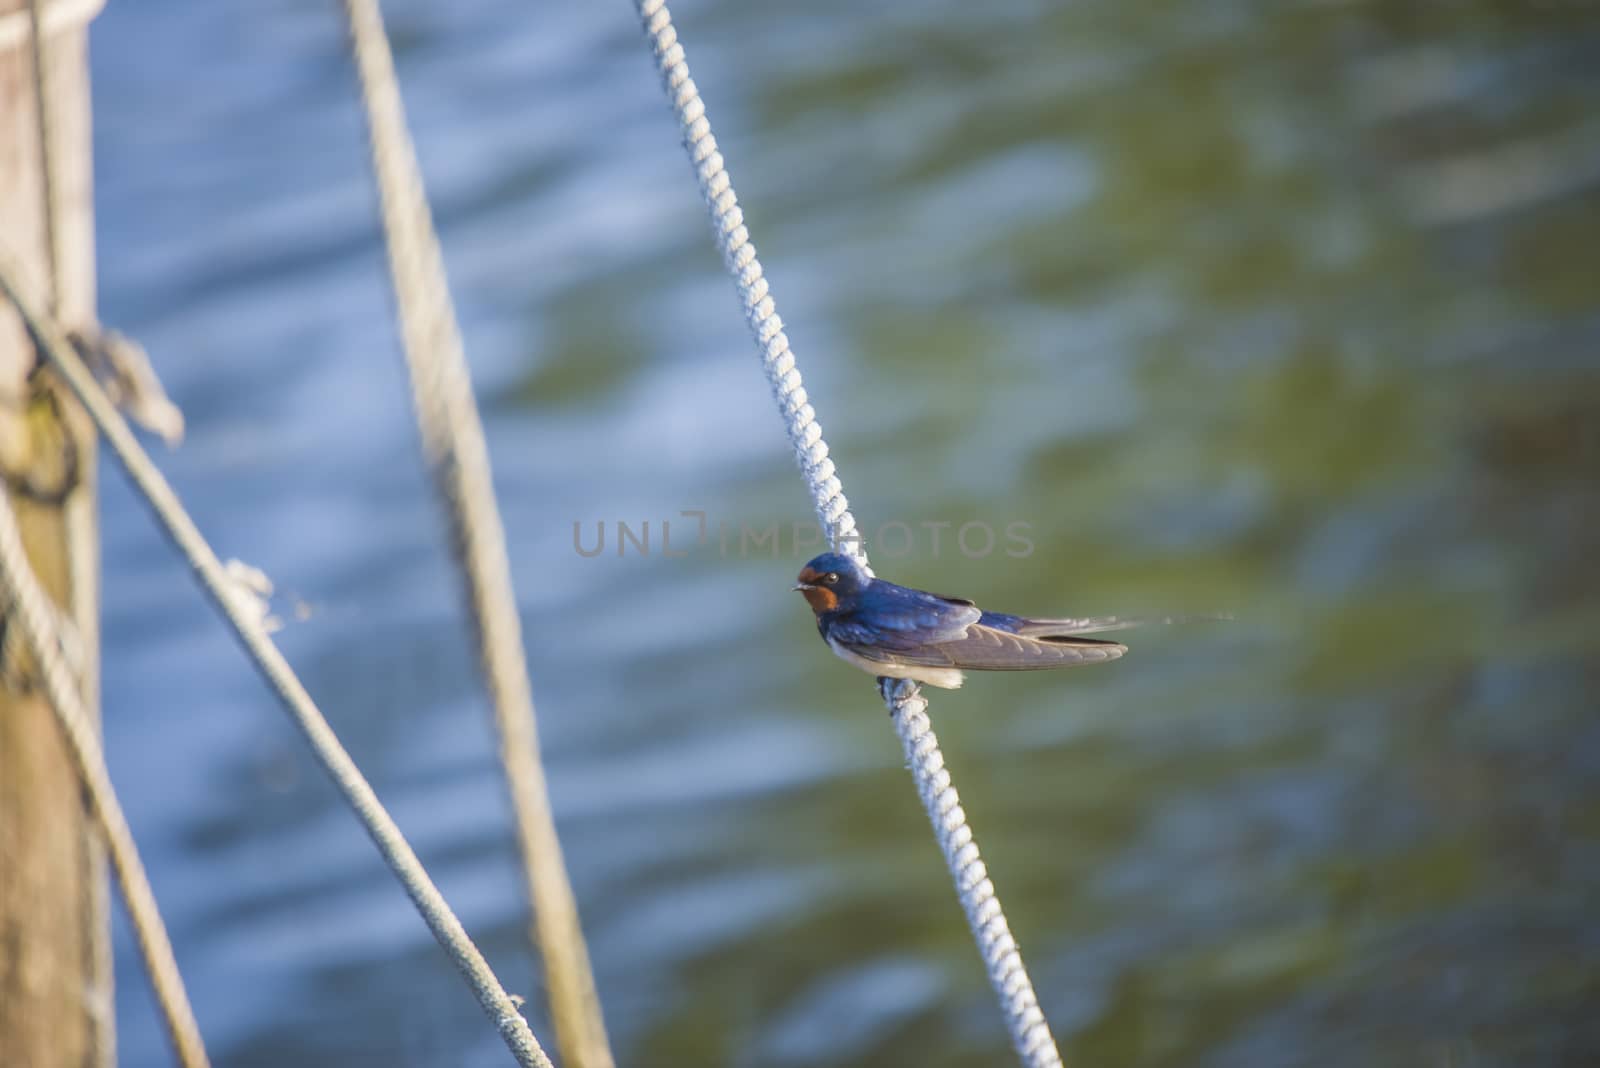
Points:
(970, 645)
(984, 648)
(896, 623)
(1066, 627)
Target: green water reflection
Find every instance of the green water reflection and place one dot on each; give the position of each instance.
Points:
(1288, 310)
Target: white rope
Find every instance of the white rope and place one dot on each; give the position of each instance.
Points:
(453, 442)
(31, 609)
(739, 255)
(249, 627)
(1030, 1033)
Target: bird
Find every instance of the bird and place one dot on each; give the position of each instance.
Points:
(897, 632)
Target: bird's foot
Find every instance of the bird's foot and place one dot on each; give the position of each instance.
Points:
(895, 691)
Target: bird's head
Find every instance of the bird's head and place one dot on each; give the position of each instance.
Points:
(832, 582)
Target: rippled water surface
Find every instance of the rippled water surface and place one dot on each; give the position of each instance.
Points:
(1285, 310)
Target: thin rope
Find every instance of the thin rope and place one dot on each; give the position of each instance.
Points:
(453, 442)
(43, 124)
(1030, 1033)
(83, 546)
(249, 626)
(32, 609)
(739, 256)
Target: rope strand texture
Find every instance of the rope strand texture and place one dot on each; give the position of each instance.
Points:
(458, 456)
(249, 628)
(739, 256)
(1030, 1033)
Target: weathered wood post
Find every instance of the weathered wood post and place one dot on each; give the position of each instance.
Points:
(55, 973)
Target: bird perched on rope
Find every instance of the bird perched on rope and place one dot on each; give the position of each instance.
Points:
(898, 632)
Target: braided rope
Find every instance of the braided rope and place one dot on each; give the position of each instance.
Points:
(739, 256)
(1030, 1033)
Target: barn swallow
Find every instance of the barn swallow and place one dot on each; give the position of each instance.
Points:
(901, 633)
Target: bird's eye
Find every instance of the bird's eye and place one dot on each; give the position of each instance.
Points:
(830, 578)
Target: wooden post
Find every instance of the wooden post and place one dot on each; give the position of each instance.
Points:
(55, 961)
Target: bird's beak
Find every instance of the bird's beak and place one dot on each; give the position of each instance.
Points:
(801, 587)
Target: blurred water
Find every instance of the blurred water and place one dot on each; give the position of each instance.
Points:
(1283, 309)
